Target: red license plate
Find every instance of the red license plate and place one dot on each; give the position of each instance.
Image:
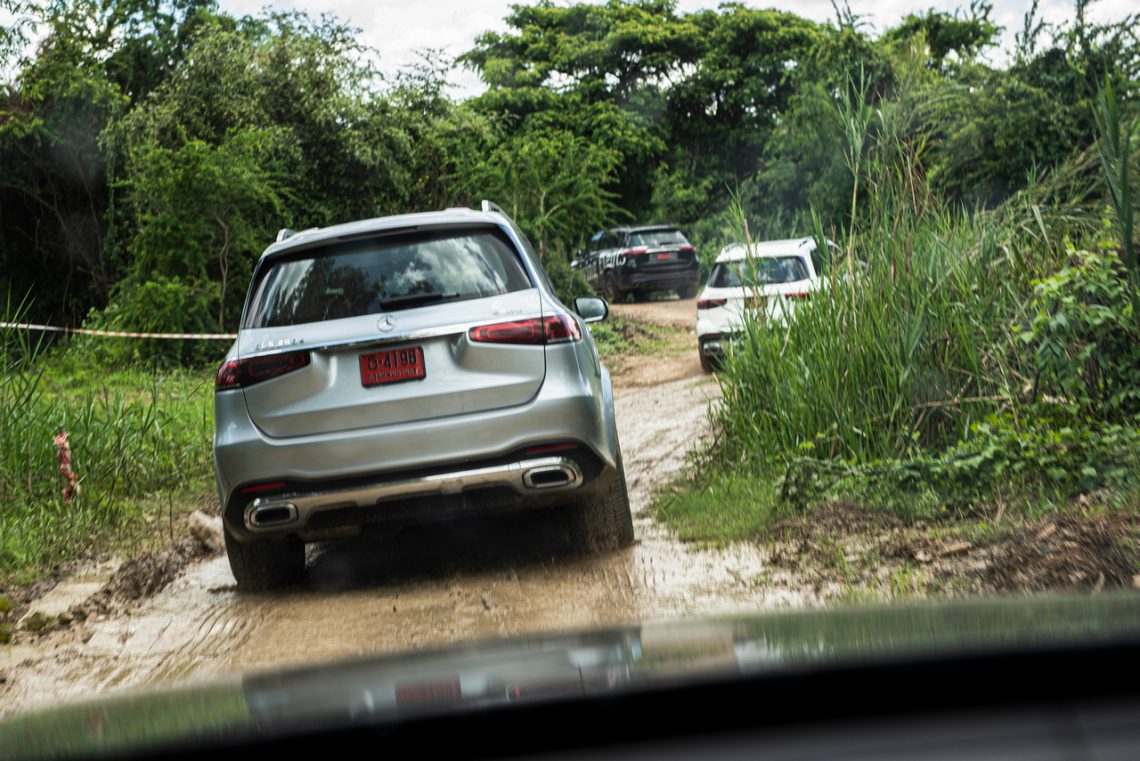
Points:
(664, 257)
(392, 366)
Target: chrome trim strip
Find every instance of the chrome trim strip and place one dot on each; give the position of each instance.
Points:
(385, 339)
(515, 475)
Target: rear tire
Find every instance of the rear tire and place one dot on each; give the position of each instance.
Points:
(613, 293)
(602, 521)
(687, 292)
(264, 564)
(708, 364)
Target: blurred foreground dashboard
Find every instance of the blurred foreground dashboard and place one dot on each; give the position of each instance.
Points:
(1041, 679)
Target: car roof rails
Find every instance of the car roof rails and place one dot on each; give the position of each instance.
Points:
(286, 233)
(489, 206)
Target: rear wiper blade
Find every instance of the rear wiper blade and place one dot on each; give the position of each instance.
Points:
(414, 299)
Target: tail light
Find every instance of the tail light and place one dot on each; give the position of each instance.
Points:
(548, 448)
(798, 295)
(239, 373)
(687, 249)
(711, 303)
(632, 252)
(268, 486)
(559, 328)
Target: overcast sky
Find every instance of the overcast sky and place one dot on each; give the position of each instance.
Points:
(398, 28)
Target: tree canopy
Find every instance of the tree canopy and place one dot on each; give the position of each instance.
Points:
(153, 147)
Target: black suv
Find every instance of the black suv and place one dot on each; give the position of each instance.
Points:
(640, 260)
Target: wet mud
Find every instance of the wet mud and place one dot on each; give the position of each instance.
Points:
(422, 587)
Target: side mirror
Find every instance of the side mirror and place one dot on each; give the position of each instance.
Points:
(591, 308)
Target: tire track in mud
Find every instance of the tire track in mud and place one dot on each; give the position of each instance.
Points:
(437, 587)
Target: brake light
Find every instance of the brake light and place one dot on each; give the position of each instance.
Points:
(711, 303)
(798, 295)
(558, 328)
(687, 249)
(239, 373)
(633, 251)
(548, 448)
(261, 487)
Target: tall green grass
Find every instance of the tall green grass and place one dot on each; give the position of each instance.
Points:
(911, 341)
(917, 368)
(136, 440)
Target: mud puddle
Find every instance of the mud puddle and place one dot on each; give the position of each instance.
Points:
(422, 588)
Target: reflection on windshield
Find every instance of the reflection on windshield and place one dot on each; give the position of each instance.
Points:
(658, 238)
(765, 270)
(376, 277)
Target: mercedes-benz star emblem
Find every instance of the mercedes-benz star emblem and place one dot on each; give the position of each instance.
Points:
(386, 323)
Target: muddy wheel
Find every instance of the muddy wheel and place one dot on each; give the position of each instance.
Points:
(602, 521)
(266, 563)
(708, 364)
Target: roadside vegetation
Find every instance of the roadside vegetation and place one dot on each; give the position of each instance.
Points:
(138, 443)
(965, 366)
(974, 356)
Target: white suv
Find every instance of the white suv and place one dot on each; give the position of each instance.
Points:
(780, 275)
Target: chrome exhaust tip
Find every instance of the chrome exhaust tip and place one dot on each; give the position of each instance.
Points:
(271, 514)
(552, 476)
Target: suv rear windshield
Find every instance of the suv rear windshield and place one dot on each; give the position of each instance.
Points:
(657, 238)
(386, 274)
(769, 270)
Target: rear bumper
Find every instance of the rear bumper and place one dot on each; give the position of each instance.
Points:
(634, 280)
(380, 468)
(293, 509)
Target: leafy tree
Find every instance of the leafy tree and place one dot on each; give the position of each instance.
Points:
(53, 188)
(946, 34)
(605, 51)
(553, 183)
(94, 57)
(217, 237)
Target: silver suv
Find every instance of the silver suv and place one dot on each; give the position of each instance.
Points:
(405, 369)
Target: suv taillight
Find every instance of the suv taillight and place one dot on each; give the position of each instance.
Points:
(711, 303)
(632, 252)
(558, 328)
(239, 373)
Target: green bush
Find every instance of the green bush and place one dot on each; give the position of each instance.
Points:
(568, 283)
(1030, 456)
(1083, 336)
(160, 305)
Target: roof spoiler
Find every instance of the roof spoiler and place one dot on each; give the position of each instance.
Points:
(490, 206)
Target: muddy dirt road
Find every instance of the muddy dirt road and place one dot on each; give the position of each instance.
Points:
(429, 587)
